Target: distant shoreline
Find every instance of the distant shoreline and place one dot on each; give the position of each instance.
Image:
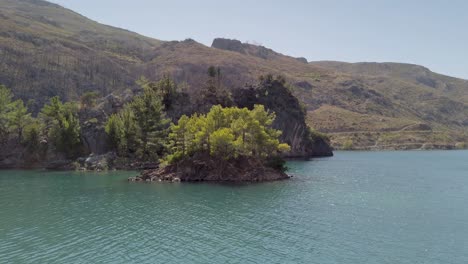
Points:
(288, 159)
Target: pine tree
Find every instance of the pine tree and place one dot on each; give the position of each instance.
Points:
(114, 129)
(227, 133)
(19, 118)
(152, 124)
(179, 136)
(5, 109)
(121, 129)
(222, 144)
(62, 126)
(88, 99)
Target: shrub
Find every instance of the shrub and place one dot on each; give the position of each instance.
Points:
(348, 145)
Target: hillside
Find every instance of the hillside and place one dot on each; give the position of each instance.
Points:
(47, 50)
(425, 107)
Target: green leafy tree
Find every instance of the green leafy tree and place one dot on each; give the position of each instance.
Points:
(130, 130)
(165, 88)
(121, 129)
(88, 99)
(179, 136)
(19, 118)
(32, 136)
(14, 116)
(152, 124)
(222, 144)
(52, 112)
(226, 133)
(141, 127)
(213, 93)
(5, 112)
(115, 130)
(62, 126)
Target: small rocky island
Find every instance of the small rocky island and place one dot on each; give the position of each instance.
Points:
(226, 145)
(206, 169)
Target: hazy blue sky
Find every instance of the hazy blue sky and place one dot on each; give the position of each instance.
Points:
(430, 33)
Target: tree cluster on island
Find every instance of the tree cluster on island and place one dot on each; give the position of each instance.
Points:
(224, 133)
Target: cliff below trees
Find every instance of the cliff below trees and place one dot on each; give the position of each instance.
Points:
(227, 144)
(290, 117)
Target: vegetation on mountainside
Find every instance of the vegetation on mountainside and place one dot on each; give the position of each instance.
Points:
(49, 51)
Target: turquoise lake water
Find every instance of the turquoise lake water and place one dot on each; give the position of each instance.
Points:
(357, 207)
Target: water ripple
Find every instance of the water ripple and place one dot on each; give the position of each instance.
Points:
(353, 208)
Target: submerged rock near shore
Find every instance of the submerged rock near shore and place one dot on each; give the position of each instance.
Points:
(205, 169)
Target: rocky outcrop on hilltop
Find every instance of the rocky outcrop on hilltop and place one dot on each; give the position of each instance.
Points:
(250, 49)
(302, 59)
(246, 48)
(229, 44)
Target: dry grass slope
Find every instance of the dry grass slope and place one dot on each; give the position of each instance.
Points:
(47, 50)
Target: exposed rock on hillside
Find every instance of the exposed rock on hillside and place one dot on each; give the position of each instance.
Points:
(250, 49)
(290, 117)
(302, 59)
(229, 44)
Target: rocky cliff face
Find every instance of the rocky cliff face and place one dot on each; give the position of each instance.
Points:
(229, 44)
(249, 49)
(290, 118)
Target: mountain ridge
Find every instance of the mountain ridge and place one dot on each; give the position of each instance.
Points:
(48, 50)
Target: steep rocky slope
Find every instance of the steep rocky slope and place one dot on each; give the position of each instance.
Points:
(290, 118)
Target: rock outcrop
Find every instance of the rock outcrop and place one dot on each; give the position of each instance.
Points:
(290, 118)
(302, 59)
(229, 44)
(249, 49)
(98, 162)
(16, 156)
(61, 165)
(203, 168)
